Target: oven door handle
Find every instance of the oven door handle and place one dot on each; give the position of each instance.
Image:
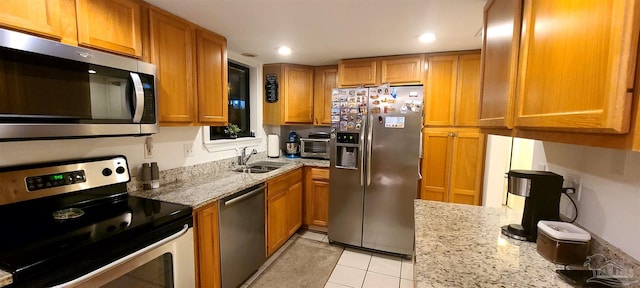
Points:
(138, 97)
(124, 259)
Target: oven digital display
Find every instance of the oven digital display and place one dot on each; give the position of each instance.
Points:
(56, 177)
(54, 180)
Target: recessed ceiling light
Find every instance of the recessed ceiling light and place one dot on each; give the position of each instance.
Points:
(284, 50)
(427, 38)
(91, 71)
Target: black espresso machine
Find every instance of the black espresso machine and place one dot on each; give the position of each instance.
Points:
(542, 190)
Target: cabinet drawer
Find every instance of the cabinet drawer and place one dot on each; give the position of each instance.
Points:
(320, 174)
(282, 183)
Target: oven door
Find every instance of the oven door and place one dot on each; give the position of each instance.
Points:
(167, 263)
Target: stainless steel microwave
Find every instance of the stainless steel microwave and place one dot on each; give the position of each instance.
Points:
(52, 90)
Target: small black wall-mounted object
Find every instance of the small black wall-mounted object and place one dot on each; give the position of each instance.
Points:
(271, 88)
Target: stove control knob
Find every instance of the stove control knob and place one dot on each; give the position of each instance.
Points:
(120, 170)
(107, 172)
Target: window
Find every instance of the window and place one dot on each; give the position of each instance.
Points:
(238, 103)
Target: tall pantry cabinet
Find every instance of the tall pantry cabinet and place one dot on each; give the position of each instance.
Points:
(453, 147)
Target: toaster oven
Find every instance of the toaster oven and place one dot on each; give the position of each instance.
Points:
(314, 148)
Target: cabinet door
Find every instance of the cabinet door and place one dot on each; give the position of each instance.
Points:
(41, 17)
(122, 17)
(401, 70)
(355, 72)
(440, 90)
(320, 199)
(467, 90)
(501, 42)
(207, 245)
(294, 209)
(298, 94)
(213, 105)
(277, 229)
(326, 78)
(566, 82)
(467, 163)
(172, 42)
(436, 154)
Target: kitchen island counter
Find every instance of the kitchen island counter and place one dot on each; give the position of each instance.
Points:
(461, 246)
(202, 190)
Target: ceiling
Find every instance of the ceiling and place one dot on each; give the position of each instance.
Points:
(320, 32)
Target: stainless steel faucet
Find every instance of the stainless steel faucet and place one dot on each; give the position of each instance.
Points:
(243, 159)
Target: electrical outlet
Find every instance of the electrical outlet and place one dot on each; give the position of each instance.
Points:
(148, 153)
(188, 150)
(148, 148)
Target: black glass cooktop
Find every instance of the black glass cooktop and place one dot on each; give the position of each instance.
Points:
(35, 243)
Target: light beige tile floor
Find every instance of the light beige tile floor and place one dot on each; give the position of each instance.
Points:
(363, 269)
(357, 268)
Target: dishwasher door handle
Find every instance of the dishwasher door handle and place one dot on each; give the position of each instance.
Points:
(244, 196)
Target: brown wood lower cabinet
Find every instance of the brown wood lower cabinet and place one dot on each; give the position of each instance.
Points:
(283, 208)
(316, 198)
(207, 246)
(452, 165)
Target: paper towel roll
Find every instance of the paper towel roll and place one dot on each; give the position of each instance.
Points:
(273, 146)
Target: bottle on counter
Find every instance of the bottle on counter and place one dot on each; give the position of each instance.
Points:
(145, 176)
(155, 175)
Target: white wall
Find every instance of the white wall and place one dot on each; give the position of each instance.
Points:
(168, 143)
(496, 164)
(609, 200)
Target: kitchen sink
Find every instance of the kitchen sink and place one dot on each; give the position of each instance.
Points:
(260, 167)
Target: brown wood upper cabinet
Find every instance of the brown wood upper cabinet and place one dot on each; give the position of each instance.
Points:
(499, 62)
(326, 78)
(401, 69)
(564, 81)
(40, 17)
(404, 69)
(110, 25)
(176, 47)
(452, 90)
(173, 52)
(213, 107)
(295, 95)
(356, 72)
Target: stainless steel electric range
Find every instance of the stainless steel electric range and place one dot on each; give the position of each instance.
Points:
(72, 224)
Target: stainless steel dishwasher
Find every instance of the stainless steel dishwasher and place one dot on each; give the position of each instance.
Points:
(242, 235)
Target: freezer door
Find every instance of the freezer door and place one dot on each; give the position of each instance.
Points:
(346, 188)
(346, 184)
(392, 175)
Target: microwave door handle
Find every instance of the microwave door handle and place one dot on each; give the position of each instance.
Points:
(138, 92)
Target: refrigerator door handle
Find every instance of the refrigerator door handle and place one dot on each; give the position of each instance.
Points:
(361, 149)
(369, 149)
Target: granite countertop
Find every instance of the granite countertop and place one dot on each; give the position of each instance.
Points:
(461, 246)
(209, 188)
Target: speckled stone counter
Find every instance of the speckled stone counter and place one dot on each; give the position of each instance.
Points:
(5, 278)
(204, 189)
(462, 246)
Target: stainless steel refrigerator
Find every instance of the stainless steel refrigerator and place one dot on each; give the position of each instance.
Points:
(375, 143)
